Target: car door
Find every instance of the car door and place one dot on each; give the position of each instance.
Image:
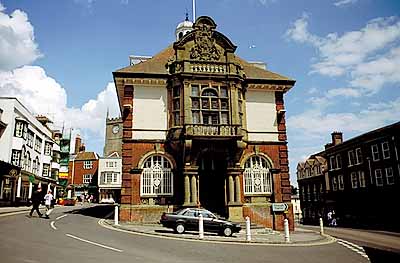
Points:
(191, 219)
(209, 222)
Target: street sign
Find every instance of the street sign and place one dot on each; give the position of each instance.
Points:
(279, 207)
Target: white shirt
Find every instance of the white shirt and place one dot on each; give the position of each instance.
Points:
(47, 199)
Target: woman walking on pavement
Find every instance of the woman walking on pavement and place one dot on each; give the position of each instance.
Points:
(36, 200)
(48, 201)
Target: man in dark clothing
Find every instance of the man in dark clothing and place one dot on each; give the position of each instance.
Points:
(37, 198)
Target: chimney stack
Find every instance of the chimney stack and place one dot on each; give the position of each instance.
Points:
(337, 138)
(78, 142)
(82, 148)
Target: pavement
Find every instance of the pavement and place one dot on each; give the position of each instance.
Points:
(299, 237)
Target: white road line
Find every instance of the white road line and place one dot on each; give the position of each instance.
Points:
(58, 218)
(52, 225)
(353, 247)
(94, 243)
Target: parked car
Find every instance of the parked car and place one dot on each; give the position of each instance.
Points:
(188, 219)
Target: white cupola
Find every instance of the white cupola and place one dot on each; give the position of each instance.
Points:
(183, 28)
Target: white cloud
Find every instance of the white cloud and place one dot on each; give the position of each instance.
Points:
(17, 42)
(317, 122)
(42, 94)
(368, 56)
(345, 2)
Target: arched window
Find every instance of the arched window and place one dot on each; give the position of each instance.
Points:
(180, 35)
(157, 176)
(257, 177)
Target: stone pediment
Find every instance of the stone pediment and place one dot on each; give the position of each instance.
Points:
(204, 43)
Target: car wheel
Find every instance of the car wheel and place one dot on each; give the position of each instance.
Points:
(227, 231)
(180, 228)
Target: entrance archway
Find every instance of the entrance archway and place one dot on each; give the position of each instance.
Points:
(212, 174)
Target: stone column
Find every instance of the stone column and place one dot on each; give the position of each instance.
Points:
(1, 188)
(194, 189)
(231, 190)
(187, 190)
(237, 189)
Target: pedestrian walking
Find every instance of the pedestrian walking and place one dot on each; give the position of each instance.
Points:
(36, 199)
(48, 201)
(329, 216)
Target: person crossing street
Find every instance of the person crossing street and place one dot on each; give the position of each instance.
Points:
(36, 200)
(48, 201)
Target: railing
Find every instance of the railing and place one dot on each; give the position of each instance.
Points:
(207, 68)
(213, 130)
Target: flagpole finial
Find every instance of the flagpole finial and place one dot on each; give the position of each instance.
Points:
(194, 10)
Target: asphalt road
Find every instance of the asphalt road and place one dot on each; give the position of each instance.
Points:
(75, 236)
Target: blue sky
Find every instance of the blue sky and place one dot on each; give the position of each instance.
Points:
(58, 58)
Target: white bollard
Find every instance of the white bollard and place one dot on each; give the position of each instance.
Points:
(321, 226)
(286, 227)
(116, 215)
(201, 227)
(248, 232)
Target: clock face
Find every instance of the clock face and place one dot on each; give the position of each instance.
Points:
(115, 129)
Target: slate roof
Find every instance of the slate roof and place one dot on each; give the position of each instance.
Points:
(156, 65)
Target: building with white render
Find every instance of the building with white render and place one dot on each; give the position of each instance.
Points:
(28, 144)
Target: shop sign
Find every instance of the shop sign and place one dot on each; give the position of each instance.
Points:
(63, 175)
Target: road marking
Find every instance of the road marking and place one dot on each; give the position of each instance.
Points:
(58, 218)
(14, 213)
(353, 247)
(52, 225)
(94, 243)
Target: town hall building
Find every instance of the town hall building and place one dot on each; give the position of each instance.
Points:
(203, 128)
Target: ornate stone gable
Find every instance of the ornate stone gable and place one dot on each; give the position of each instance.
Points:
(205, 47)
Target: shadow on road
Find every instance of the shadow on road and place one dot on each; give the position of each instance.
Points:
(98, 211)
(377, 255)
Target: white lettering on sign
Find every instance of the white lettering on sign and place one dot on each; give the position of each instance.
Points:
(279, 207)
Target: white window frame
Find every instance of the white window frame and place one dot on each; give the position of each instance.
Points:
(157, 177)
(87, 178)
(389, 174)
(38, 144)
(378, 177)
(47, 148)
(361, 179)
(338, 161)
(351, 157)
(46, 170)
(30, 138)
(340, 182)
(257, 178)
(16, 157)
(19, 129)
(332, 162)
(87, 165)
(354, 180)
(375, 152)
(385, 150)
(359, 156)
(334, 183)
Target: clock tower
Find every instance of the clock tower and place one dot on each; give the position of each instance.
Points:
(113, 137)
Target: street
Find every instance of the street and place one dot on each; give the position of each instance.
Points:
(74, 235)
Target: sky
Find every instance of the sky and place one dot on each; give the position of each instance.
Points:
(57, 57)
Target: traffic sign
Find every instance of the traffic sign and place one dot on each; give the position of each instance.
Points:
(279, 207)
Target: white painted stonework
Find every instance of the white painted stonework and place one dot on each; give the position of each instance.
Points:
(261, 115)
(149, 112)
